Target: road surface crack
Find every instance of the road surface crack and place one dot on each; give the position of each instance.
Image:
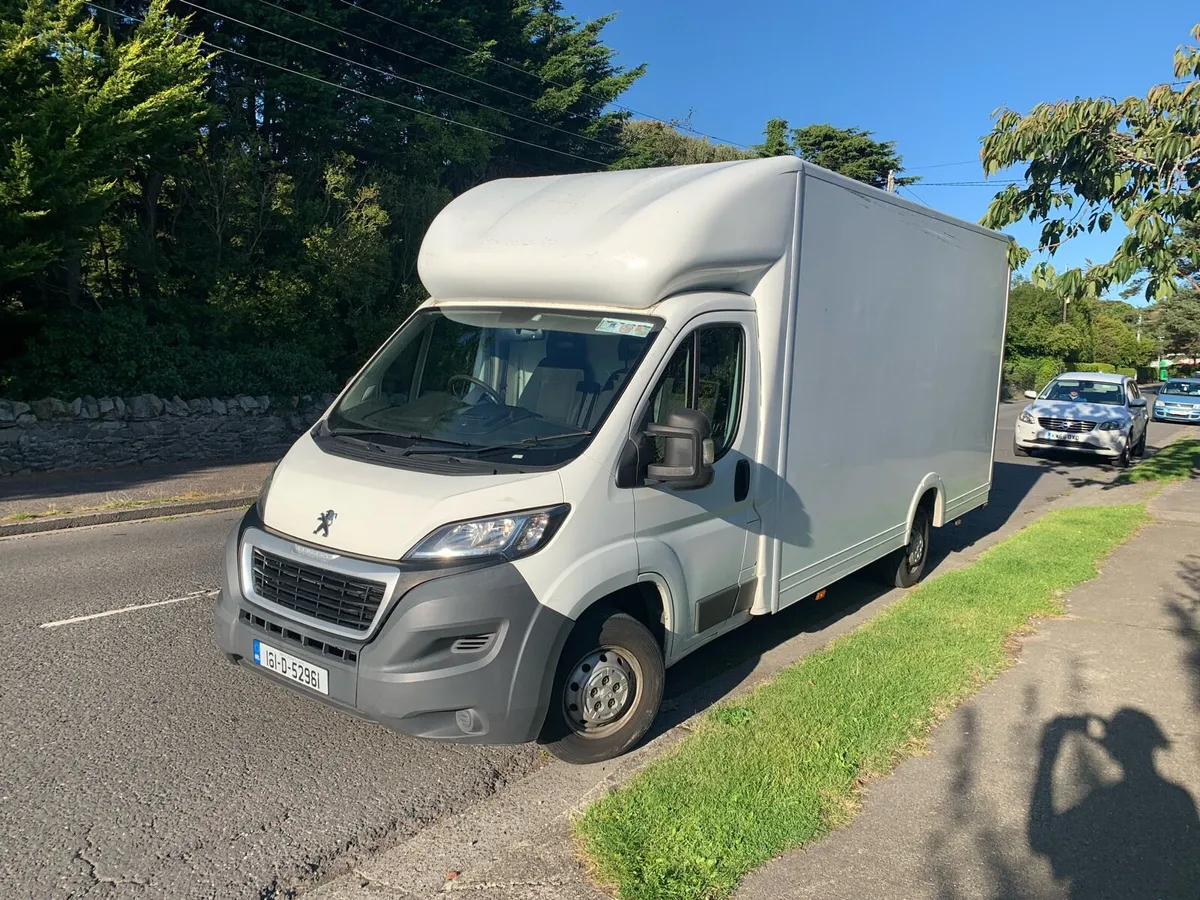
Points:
(99, 877)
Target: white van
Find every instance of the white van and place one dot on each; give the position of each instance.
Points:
(641, 407)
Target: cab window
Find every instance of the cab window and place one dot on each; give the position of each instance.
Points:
(705, 373)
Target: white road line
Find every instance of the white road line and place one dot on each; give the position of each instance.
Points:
(124, 609)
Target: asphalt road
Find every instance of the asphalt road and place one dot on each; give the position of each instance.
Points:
(137, 763)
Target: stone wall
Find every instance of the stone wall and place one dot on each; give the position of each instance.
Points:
(104, 433)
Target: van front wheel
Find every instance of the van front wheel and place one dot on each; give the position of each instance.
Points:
(607, 689)
(905, 567)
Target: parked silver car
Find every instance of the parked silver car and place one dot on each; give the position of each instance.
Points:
(1088, 413)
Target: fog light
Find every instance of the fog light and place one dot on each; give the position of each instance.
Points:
(469, 722)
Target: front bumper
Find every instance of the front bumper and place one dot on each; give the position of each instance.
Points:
(1101, 443)
(409, 675)
(1185, 414)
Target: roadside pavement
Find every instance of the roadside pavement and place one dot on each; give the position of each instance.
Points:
(518, 845)
(1076, 775)
(44, 502)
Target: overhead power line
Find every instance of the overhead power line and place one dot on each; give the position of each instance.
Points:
(341, 87)
(541, 78)
(913, 194)
(965, 162)
(392, 75)
(415, 58)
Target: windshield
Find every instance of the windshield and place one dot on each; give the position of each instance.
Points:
(1182, 388)
(1079, 390)
(532, 384)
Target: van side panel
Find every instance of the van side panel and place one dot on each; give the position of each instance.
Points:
(899, 331)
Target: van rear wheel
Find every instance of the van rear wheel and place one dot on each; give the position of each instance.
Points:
(607, 689)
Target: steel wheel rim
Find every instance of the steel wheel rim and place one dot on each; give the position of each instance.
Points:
(601, 691)
(916, 547)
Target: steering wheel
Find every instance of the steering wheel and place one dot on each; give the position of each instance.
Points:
(488, 391)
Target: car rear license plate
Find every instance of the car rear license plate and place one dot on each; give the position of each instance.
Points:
(291, 667)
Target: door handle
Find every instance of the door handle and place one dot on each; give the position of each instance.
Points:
(741, 480)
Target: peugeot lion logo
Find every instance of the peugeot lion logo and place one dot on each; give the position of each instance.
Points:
(324, 520)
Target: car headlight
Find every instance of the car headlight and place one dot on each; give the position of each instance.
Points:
(512, 536)
(260, 504)
(1111, 426)
(1026, 417)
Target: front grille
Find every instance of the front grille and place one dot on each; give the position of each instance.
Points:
(296, 637)
(1071, 426)
(319, 593)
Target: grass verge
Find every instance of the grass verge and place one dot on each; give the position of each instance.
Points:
(782, 766)
(1172, 463)
(118, 504)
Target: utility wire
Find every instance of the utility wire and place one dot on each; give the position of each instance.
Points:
(386, 74)
(966, 162)
(913, 194)
(406, 55)
(543, 79)
(341, 87)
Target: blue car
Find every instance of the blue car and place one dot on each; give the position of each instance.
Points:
(1178, 401)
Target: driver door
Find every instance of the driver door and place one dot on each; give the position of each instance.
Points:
(703, 542)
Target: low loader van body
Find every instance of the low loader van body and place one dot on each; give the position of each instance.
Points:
(639, 408)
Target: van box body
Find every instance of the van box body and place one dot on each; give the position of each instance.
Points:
(848, 343)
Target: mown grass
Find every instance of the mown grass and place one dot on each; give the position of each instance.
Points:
(1172, 463)
(119, 503)
(782, 766)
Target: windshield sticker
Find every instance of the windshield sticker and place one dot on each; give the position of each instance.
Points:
(624, 326)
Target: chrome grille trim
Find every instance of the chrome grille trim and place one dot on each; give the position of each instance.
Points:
(1070, 426)
(345, 567)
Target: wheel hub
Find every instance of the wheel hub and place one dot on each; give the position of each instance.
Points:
(916, 548)
(599, 689)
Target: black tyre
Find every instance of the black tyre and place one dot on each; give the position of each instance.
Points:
(1019, 450)
(1122, 461)
(1140, 450)
(607, 689)
(906, 566)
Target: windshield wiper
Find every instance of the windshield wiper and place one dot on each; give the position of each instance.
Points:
(379, 432)
(532, 442)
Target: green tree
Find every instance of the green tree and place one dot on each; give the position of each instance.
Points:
(650, 143)
(852, 152)
(1179, 323)
(84, 120)
(166, 215)
(1116, 343)
(1093, 161)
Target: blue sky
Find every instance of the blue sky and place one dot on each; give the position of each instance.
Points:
(927, 74)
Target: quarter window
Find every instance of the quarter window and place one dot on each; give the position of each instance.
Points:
(705, 373)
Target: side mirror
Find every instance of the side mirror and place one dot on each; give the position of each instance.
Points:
(1138, 402)
(1032, 395)
(688, 451)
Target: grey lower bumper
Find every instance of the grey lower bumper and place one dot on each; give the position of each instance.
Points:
(410, 676)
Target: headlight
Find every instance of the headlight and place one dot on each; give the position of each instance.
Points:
(511, 536)
(1026, 417)
(1111, 426)
(261, 503)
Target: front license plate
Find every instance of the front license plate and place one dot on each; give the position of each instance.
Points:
(1063, 436)
(297, 670)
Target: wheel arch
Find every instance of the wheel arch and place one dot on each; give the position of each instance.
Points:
(931, 484)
